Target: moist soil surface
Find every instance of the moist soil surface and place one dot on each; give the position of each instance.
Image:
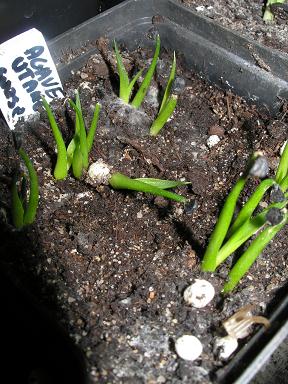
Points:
(246, 17)
(111, 265)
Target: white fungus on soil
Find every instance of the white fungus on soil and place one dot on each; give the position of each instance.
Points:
(225, 346)
(212, 140)
(99, 173)
(188, 347)
(199, 294)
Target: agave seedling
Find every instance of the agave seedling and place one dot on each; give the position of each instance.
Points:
(24, 209)
(156, 187)
(126, 86)
(265, 224)
(77, 152)
(268, 14)
(168, 104)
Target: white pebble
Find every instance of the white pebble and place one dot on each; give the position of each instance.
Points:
(200, 8)
(226, 346)
(199, 294)
(212, 140)
(188, 347)
(99, 172)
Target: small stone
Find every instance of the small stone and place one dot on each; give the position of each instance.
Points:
(71, 300)
(200, 8)
(212, 140)
(139, 215)
(225, 346)
(260, 168)
(191, 206)
(199, 294)
(274, 216)
(83, 75)
(178, 86)
(276, 195)
(99, 173)
(188, 347)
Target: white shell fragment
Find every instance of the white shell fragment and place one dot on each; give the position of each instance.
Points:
(99, 172)
(212, 140)
(199, 294)
(225, 346)
(188, 347)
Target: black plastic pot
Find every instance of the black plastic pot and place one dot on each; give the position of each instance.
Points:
(223, 57)
(50, 18)
(226, 59)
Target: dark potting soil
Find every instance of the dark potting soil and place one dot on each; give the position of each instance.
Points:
(112, 265)
(246, 17)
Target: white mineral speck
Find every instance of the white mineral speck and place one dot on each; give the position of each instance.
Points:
(225, 346)
(99, 172)
(188, 347)
(199, 294)
(212, 140)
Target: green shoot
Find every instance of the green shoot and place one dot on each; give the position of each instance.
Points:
(251, 204)
(168, 103)
(282, 169)
(251, 254)
(163, 116)
(167, 92)
(120, 181)
(222, 226)
(243, 233)
(23, 211)
(245, 225)
(79, 147)
(126, 87)
(60, 171)
(268, 14)
(139, 97)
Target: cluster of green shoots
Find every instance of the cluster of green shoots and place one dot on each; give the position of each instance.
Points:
(228, 236)
(24, 208)
(169, 100)
(77, 152)
(268, 14)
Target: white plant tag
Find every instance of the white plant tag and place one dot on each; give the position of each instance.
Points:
(27, 72)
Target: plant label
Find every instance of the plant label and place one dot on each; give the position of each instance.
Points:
(27, 72)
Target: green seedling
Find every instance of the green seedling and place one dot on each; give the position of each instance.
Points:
(126, 86)
(227, 238)
(77, 152)
(24, 209)
(156, 187)
(268, 14)
(251, 254)
(168, 103)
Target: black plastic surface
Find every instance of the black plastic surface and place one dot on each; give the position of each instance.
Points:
(51, 18)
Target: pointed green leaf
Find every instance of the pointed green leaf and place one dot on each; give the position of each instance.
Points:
(139, 97)
(162, 184)
(169, 84)
(60, 171)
